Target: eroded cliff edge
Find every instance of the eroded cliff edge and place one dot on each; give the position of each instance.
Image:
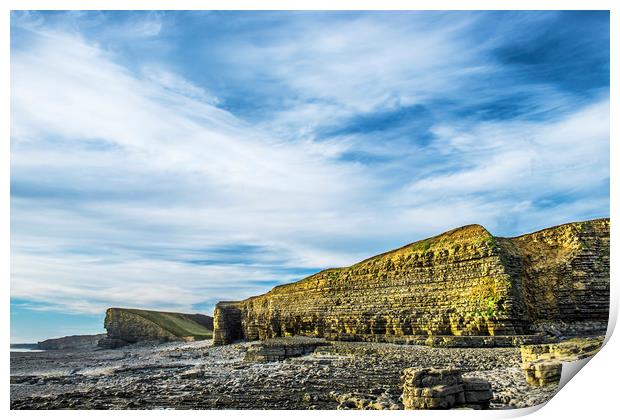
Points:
(464, 282)
(128, 326)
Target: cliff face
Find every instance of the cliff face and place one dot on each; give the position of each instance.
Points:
(464, 282)
(564, 275)
(134, 325)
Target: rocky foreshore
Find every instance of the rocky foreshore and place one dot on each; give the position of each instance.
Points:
(196, 375)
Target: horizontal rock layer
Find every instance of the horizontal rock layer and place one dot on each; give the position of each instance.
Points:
(464, 282)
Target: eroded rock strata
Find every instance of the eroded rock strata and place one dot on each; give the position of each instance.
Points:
(464, 284)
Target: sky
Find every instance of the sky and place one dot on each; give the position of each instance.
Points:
(170, 160)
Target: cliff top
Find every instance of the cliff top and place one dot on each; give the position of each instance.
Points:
(452, 239)
(576, 225)
(468, 233)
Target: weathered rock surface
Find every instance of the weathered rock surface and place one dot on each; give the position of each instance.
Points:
(463, 283)
(542, 364)
(431, 388)
(127, 326)
(72, 342)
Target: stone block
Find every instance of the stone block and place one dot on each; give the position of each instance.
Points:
(443, 389)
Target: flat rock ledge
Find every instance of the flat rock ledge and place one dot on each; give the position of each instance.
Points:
(279, 349)
(542, 364)
(431, 388)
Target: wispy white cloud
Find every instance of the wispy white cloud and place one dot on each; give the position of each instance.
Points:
(335, 69)
(90, 140)
(516, 157)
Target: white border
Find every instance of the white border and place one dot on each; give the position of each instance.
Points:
(310, 5)
(591, 395)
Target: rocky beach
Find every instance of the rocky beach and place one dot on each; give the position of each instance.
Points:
(197, 375)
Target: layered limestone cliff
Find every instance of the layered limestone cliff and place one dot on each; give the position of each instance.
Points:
(126, 326)
(465, 282)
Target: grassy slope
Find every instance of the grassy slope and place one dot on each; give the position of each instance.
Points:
(178, 324)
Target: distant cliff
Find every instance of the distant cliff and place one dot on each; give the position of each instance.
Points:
(127, 326)
(465, 282)
(72, 342)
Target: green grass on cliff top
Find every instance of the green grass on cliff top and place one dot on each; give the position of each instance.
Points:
(176, 323)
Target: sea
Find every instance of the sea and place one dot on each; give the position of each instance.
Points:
(24, 348)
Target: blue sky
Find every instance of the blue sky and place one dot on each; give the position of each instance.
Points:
(169, 160)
